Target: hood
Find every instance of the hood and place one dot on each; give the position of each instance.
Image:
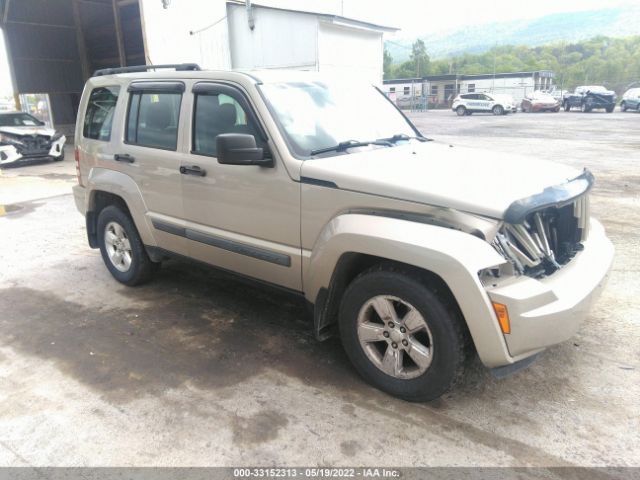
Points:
(477, 181)
(19, 131)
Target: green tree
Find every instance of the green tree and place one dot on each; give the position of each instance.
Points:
(387, 62)
(419, 58)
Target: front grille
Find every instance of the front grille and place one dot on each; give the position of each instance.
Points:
(546, 239)
(35, 145)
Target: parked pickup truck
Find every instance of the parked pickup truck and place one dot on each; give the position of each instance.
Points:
(588, 98)
(417, 254)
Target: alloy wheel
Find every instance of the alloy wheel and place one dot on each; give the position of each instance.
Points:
(118, 246)
(395, 337)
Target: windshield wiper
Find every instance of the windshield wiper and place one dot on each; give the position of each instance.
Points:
(400, 137)
(343, 146)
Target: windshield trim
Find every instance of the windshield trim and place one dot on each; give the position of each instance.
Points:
(283, 135)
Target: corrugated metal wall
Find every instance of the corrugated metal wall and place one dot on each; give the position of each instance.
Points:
(53, 45)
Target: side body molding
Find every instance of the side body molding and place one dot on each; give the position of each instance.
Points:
(122, 185)
(455, 256)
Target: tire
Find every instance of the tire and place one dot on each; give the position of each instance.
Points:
(524, 109)
(556, 110)
(60, 158)
(134, 266)
(584, 108)
(610, 109)
(498, 110)
(461, 111)
(623, 107)
(441, 334)
(566, 106)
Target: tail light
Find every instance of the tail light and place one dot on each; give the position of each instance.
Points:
(77, 156)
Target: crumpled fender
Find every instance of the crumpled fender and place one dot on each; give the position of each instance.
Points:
(122, 185)
(455, 256)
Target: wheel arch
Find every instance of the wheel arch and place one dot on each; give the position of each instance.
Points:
(108, 187)
(445, 258)
(349, 266)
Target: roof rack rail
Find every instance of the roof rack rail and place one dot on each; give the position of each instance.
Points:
(178, 67)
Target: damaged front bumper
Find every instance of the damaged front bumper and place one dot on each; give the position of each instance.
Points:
(10, 154)
(546, 311)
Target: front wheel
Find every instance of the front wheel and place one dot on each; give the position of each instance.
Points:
(122, 249)
(400, 336)
(585, 108)
(461, 111)
(60, 158)
(610, 109)
(498, 110)
(566, 106)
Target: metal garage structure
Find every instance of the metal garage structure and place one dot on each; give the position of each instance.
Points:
(53, 46)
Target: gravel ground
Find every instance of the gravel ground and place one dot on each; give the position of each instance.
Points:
(199, 369)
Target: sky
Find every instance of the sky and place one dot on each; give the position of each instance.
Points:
(413, 17)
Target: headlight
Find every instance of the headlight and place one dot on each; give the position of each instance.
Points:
(11, 140)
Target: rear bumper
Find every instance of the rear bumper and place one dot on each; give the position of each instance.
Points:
(549, 311)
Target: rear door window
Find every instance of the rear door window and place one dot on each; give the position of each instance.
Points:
(98, 118)
(152, 120)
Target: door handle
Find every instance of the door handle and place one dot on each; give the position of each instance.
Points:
(193, 170)
(124, 157)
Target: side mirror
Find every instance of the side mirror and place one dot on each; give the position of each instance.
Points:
(240, 149)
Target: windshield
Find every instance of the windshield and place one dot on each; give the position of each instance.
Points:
(18, 120)
(594, 89)
(541, 96)
(315, 115)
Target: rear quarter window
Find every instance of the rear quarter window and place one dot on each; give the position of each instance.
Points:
(152, 120)
(98, 118)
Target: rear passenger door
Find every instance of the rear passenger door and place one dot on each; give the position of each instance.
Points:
(151, 154)
(244, 218)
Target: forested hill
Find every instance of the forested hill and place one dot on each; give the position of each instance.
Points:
(613, 62)
(569, 27)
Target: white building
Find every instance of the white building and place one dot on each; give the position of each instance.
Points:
(240, 35)
(440, 89)
(53, 47)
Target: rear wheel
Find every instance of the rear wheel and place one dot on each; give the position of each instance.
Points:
(400, 336)
(610, 109)
(122, 249)
(461, 111)
(498, 110)
(566, 106)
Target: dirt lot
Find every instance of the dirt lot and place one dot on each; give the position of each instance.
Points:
(198, 369)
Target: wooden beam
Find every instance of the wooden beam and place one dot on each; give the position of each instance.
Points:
(119, 39)
(82, 48)
(5, 14)
(147, 58)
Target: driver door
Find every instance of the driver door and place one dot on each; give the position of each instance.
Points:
(243, 218)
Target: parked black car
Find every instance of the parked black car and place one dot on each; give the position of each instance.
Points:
(587, 98)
